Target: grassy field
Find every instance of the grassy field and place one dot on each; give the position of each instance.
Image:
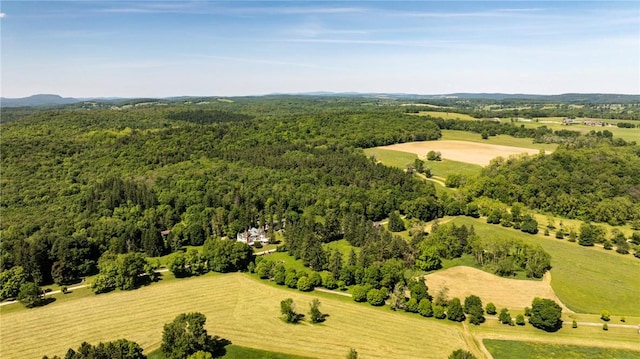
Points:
(587, 280)
(390, 157)
(239, 308)
(343, 246)
(529, 350)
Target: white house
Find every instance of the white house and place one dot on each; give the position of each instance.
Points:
(253, 235)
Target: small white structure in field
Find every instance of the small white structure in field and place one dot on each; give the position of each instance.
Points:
(252, 235)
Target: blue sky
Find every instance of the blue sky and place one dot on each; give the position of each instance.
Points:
(165, 48)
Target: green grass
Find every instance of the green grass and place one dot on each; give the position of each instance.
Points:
(446, 168)
(391, 158)
(503, 140)
(587, 280)
(289, 261)
(628, 134)
(530, 350)
(240, 352)
(343, 246)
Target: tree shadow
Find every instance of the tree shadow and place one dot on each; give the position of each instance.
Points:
(220, 347)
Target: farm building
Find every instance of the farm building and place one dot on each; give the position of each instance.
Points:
(252, 235)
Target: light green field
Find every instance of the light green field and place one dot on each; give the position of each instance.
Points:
(239, 308)
(391, 158)
(587, 280)
(447, 115)
(343, 246)
(504, 140)
(530, 350)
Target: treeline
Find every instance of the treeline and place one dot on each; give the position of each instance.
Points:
(597, 184)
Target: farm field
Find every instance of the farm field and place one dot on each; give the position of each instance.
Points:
(239, 352)
(586, 280)
(463, 281)
(463, 151)
(239, 308)
(530, 350)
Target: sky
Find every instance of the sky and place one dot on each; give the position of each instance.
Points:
(213, 48)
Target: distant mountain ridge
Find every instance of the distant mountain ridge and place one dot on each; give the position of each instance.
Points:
(57, 100)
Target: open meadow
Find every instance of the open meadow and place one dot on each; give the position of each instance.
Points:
(585, 279)
(239, 308)
(506, 349)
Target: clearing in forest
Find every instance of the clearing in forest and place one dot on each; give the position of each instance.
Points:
(469, 152)
(503, 292)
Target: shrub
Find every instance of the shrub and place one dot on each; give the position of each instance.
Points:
(505, 317)
(461, 354)
(491, 308)
(30, 295)
(375, 297)
(412, 306)
(425, 308)
(574, 324)
(359, 293)
(520, 319)
(605, 326)
(315, 279)
(438, 312)
(605, 315)
(304, 284)
(330, 282)
(546, 315)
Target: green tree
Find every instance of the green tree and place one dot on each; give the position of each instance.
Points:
(412, 305)
(10, 282)
(395, 222)
(520, 319)
(186, 335)
(438, 312)
(353, 354)
(504, 317)
(454, 311)
(376, 297)
(314, 311)
(288, 311)
(201, 355)
(359, 292)
(425, 308)
(461, 354)
(30, 295)
(605, 315)
(546, 315)
(303, 284)
(418, 165)
(490, 308)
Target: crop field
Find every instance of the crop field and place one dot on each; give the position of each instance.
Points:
(390, 157)
(530, 350)
(239, 308)
(503, 292)
(586, 280)
(463, 151)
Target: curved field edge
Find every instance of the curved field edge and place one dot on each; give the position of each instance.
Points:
(585, 279)
(238, 308)
(500, 349)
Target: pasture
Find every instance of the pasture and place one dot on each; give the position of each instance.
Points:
(585, 279)
(239, 308)
(531, 350)
(462, 151)
(555, 123)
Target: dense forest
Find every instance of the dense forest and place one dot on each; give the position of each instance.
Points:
(84, 189)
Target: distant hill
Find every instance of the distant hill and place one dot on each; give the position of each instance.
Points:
(37, 100)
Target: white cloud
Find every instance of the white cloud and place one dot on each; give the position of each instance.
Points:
(2, 15)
